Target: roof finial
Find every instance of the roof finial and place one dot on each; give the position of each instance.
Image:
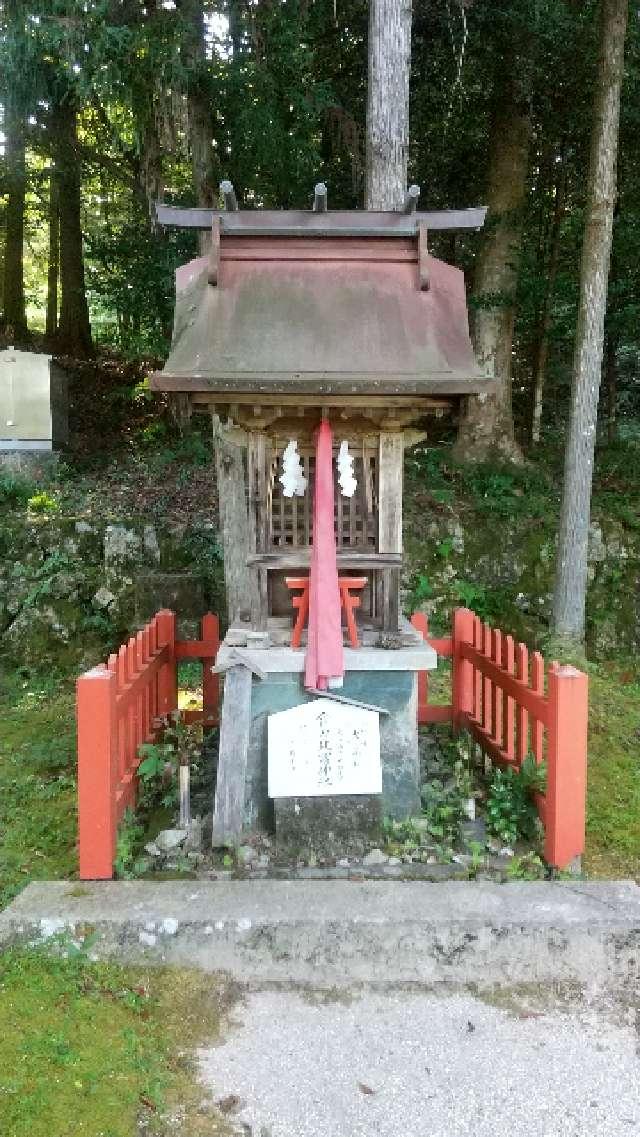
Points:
(229, 194)
(411, 199)
(320, 200)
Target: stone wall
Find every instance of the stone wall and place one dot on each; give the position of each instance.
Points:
(71, 590)
(504, 568)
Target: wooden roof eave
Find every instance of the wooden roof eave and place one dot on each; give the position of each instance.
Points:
(323, 384)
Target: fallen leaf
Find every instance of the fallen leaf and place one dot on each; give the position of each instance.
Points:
(365, 1089)
(231, 1104)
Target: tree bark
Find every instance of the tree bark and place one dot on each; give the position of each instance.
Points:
(14, 319)
(151, 173)
(388, 103)
(542, 346)
(571, 564)
(53, 268)
(486, 426)
(74, 330)
(203, 160)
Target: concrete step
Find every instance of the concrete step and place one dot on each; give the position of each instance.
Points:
(337, 933)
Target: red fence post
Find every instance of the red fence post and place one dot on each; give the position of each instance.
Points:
(210, 633)
(168, 676)
(462, 680)
(566, 765)
(420, 623)
(97, 772)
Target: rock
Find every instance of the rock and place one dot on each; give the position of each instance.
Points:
(236, 637)
(246, 855)
(407, 859)
(343, 863)
(375, 857)
(103, 598)
(121, 546)
(151, 545)
(394, 861)
(152, 849)
(474, 831)
(170, 839)
(505, 851)
(262, 861)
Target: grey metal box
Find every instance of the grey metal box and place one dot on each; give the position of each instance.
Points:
(33, 402)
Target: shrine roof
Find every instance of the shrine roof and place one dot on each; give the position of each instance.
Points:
(327, 303)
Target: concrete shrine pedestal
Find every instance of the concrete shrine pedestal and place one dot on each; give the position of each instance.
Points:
(386, 678)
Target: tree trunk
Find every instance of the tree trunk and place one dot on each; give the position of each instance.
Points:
(51, 324)
(74, 329)
(14, 321)
(542, 345)
(486, 425)
(388, 103)
(203, 161)
(611, 377)
(151, 173)
(571, 565)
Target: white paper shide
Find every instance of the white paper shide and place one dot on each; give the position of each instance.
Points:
(292, 479)
(322, 748)
(346, 477)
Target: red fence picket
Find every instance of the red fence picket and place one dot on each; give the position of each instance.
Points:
(511, 707)
(118, 705)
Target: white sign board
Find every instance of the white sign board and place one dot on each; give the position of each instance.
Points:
(323, 748)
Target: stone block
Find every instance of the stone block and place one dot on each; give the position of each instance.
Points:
(182, 592)
(328, 826)
(394, 690)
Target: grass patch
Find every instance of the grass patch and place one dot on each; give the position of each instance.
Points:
(37, 782)
(613, 799)
(97, 1050)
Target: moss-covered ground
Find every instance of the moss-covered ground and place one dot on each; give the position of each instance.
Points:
(37, 781)
(97, 1050)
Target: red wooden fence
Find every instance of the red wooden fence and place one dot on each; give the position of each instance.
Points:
(118, 704)
(512, 706)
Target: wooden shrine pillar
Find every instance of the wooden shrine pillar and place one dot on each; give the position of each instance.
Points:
(390, 470)
(240, 581)
(258, 523)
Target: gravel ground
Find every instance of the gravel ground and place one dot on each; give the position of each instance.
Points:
(425, 1065)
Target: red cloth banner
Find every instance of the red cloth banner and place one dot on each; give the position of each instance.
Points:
(324, 661)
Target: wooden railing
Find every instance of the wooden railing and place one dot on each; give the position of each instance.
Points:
(513, 705)
(118, 707)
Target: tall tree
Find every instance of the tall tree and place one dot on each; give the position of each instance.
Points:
(200, 112)
(571, 565)
(53, 268)
(14, 316)
(74, 329)
(486, 426)
(388, 103)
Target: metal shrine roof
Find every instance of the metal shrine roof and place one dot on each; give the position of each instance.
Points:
(328, 302)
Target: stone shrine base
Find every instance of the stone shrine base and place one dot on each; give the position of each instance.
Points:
(382, 677)
(332, 826)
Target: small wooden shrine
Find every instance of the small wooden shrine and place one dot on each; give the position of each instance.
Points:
(298, 327)
(298, 315)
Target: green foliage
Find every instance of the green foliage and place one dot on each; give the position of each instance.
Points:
(420, 590)
(42, 502)
(130, 833)
(511, 812)
(15, 489)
